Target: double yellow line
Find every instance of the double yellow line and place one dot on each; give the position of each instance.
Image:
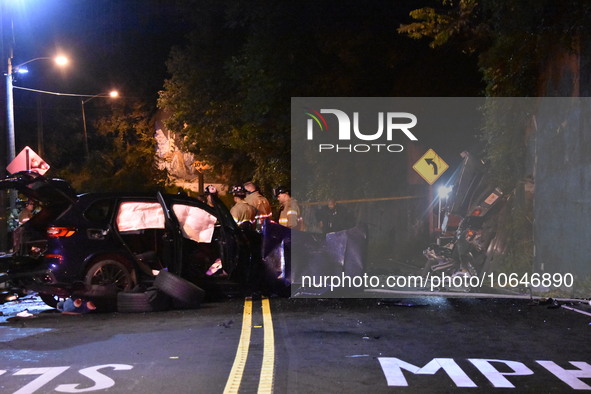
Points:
(268, 362)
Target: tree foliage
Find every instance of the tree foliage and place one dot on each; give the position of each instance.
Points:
(230, 87)
(513, 39)
(122, 151)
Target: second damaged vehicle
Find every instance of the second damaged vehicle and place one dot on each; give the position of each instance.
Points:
(115, 242)
(469, 225)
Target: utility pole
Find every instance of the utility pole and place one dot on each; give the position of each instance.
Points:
(40, 143)
(6, 54)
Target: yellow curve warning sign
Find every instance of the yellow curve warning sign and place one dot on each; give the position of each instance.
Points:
(430, 166)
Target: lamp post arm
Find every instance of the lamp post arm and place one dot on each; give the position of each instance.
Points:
(60, 94)
(95, 96)
(30, 61)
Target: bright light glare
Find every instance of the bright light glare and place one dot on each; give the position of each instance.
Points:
(443, 191)
(61, 60)
(114, 93)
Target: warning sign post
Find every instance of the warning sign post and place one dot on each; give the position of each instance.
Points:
(28, 160)
(430, 166)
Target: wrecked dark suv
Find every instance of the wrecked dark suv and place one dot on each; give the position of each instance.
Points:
(76, 243)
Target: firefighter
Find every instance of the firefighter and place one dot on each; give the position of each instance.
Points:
(257, 200)
(290, 211)
(241, 211)
(27, 213)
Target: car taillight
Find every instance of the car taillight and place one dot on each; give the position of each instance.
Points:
(54, 260)
(60, 232)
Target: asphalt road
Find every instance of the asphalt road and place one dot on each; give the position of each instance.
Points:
(415, 345)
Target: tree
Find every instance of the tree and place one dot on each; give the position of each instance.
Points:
(512, 39)
(515, 41)
(230, 87)
(122, 155)
(221, 106)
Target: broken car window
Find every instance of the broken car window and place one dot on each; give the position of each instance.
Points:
(134, 216)
(196, 224)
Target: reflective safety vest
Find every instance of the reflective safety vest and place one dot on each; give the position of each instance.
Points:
(242, 212)
(262, 206)
(290, 215)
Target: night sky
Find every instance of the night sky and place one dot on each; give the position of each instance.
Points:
(124, 45)
(111, 44)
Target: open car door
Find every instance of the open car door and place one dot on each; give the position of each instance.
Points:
(233, 246)
(173, 238)
(188, 226)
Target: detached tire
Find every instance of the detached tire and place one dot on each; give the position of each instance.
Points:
(186, 294)
(151, 300)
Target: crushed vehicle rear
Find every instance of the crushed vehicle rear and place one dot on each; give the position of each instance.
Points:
(104, 243)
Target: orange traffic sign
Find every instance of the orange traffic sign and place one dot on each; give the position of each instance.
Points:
(430, 166)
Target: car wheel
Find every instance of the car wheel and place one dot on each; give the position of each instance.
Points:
(50, 299)
(184, 292)
(109, 272)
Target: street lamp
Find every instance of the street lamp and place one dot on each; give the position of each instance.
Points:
(111, 94)
(59, 60)
(10, 140)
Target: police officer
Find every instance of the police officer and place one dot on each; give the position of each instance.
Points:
(333, 217)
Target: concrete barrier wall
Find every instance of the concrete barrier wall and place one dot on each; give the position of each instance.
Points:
(562, 198)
